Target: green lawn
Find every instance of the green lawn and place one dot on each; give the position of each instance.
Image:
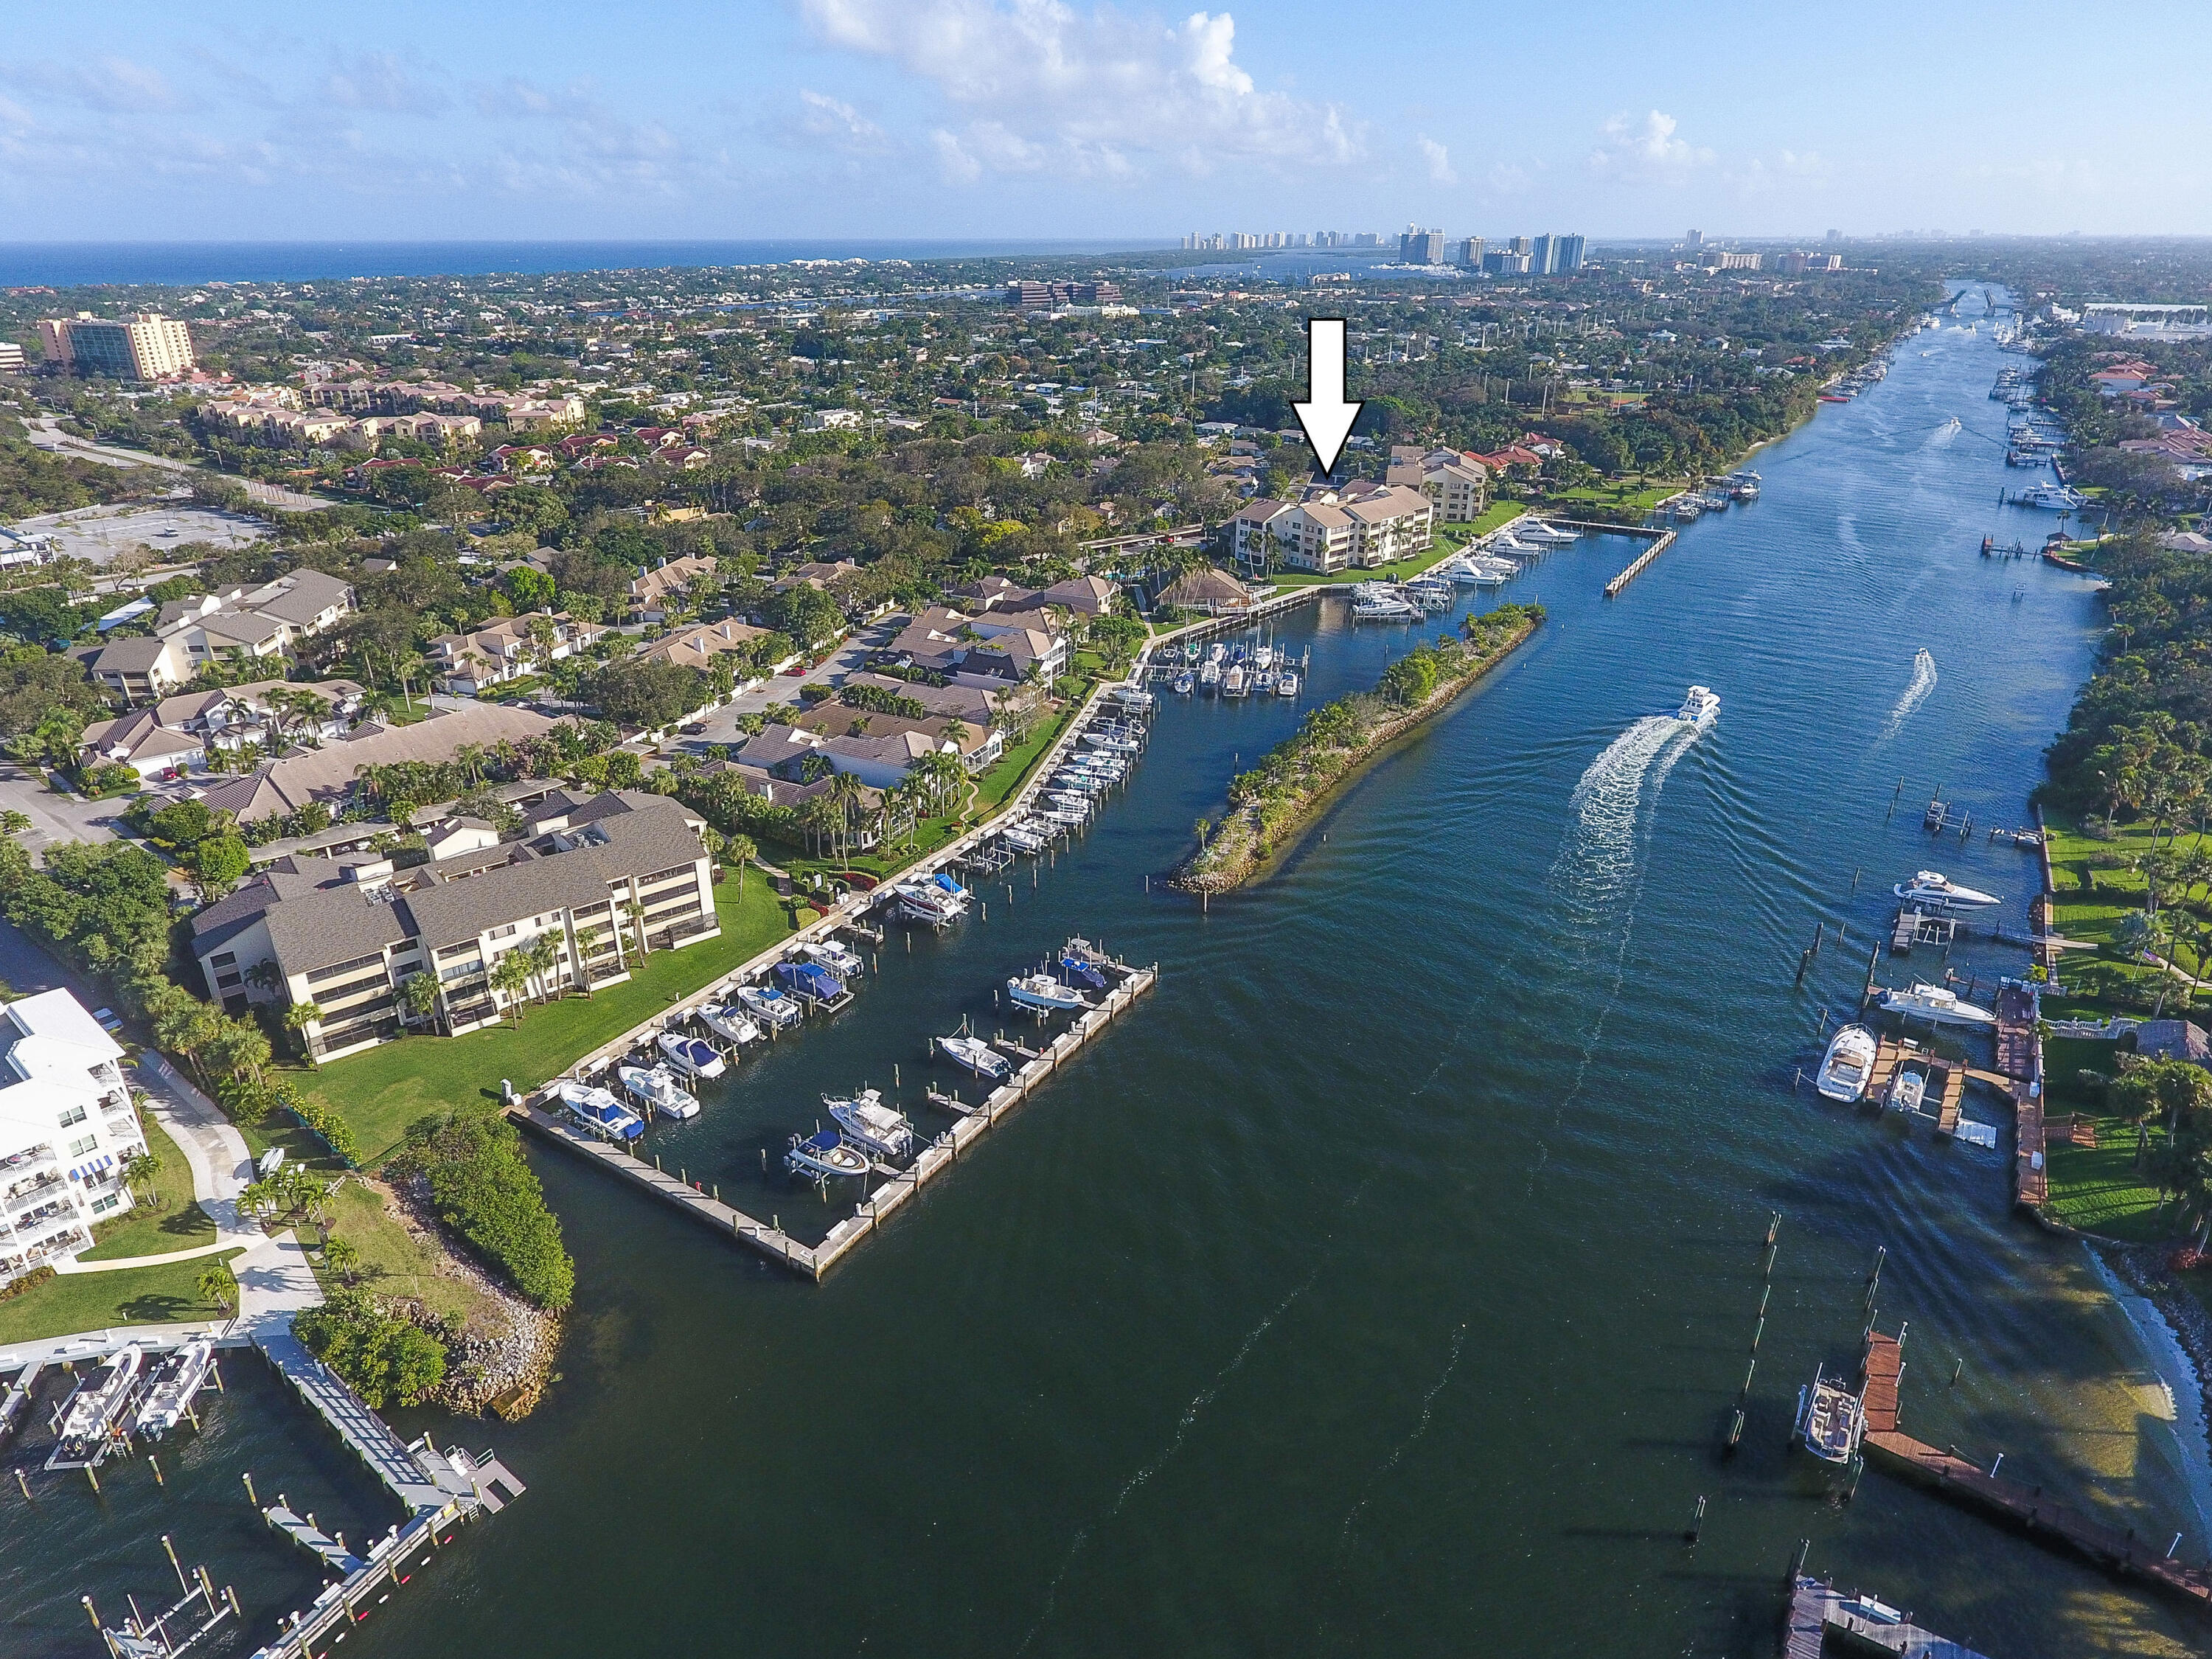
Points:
(164, 1218)
(382, 1091)
(392, 1259)
(2096, 885)
(1617, 497)
(167, 1295)
(2103, 1192)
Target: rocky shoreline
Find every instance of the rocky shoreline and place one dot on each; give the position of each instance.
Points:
(500, 1365)
(2147, 1270)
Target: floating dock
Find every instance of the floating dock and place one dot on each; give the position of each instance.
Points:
(939, 1155)
(1817, 1607)
(2119, 1553)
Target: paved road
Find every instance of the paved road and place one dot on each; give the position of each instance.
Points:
(846, 659)
(54, 817)
(46, 435)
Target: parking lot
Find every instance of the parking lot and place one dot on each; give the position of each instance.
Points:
(98, 533)
(721, 724)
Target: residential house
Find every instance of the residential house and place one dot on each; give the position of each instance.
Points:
(977, 745)
(990, 647)
(1207, 589)
(507, 649)
(604, 881)
(653, 593)
(697, 644)
(67, 1131)
(185, 733)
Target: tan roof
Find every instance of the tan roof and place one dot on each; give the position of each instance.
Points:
(327, 773)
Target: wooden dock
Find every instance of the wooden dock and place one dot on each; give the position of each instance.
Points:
(348, 1601)
(1818, 1607)
(1640, 563)
(974, 1121)
(1947, 1081)
(2119, 1553)
(2019, 1062)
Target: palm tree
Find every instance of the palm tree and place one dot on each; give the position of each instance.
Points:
(418, 996)
(740, 850)
(542, 956)
(263, 975)
(219, 1285)
(635, 913)
(511, 975)
(846, 791)
(469, 758)
(589, 937)
(298, 1017)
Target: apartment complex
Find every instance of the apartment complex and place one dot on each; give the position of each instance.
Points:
(237, 622)
(1457, 483)
(603, 880)
(1359, 527)
(185, 734)
(509, 648)
(327, 774)
(67, 1130)
(146, 346)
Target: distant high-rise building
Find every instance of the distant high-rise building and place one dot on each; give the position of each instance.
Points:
(1421, 248)
(1567, 253)
(1695, 241)
(11, 357)
(1519, 245)
(1470, 253)
(1502, 262)
(1835, 235)
(1539, 256)
(148, 347)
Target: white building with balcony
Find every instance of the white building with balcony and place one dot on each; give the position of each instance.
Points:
(67, 1129)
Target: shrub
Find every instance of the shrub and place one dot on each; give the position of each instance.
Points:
(482, 1188)
(29, 1281)
(383, 1358)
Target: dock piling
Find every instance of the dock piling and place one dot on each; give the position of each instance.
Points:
(1697, 1526)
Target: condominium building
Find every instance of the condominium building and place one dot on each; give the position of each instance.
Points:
(1470, 253)
(1460, 486)
(603, 880)
(509, 648)
(67, 1131)
(235, 624)
(1361, 525)
(147, 346)
(1421, 248)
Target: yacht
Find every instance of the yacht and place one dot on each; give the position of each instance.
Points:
(871, 1125)
(695, 1055)
(1233, 682)
(1541, 533)
(1830, 1420)
(823, 1154)
(1286, 683)
(729, 1023)
(1118, 743)
(977, 1055)
(1908, 1092)
(922, 902)
(808, 981)
(1935, 1004)
(657, 1088)
(176, 1379)
(1933, 887)
(1847, 1065)
(1700, 708)
(1023, 839)
(1044, 993)
(597, 1110)
(836, 957)
(1067, 817)
(1381, 610)
(769, 1005)
(1131, 697)
(1263, 657)
(90, 1417)
(2058, 497)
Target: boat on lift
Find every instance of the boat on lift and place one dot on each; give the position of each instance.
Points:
(977, 1055)
(1933, 887)
(1830, 1420)
(834, 956)
(177, 1377)
(89, 1418)
(1078, 968)
(730, 1025)
(597, 1110)
(1848, 1067)
(930, 905)
(656, 1087)
(693, 1056)
(869, 1125)
(824, 1155)
(808, 981)
(1286, 683)
(769, 1005)
(1185, 684)
(1936, 1004)
(1045, 993)
(1908, 1091)
(1023, 839)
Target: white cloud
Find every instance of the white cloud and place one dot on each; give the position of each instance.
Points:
(112, 84)
(826, 118)
(597, 150)
(1439, 158)
(1095, 94)
(381, 81)
(953, 160)
(1648, 150)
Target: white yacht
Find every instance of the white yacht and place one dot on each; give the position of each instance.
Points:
(693, 1055)
(1935, 1004)
(1933, 887)
(89, 1419)
(871, 1125)
(1023, 839)
(1700, 708)
(834, 956)
(597, 1110)
(1046, 993)
(823, 1154)
(977, 1055)
(658, 1089)
(767, 1004)
(1848, 1067)
(1532, 531)
(729, 1023)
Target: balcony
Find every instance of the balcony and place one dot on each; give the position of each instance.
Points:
(26, 1191)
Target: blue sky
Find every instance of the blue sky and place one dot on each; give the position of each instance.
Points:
(1036, 119)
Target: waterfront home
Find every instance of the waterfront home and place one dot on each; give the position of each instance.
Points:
(67, 1131)
(1212, 591)
(1361, 525)
(605, 882)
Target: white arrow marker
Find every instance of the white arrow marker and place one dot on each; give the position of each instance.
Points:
(1326, 416)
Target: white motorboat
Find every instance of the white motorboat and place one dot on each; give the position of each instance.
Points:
(1535, 531)
(1216, 652)
(1233, 682)
(1848, 1067)
(1043, 991)
(1908, 1091)
(1130, 697)
(977, 1055)
(1185, 684)
(1117, 742)
(694, 1055)
(1700, 708)
(597, 1110)
(90, 1418)
(1022, 840)
(769, 1005)
(1263, 657)
(871, 1125)
(1933, 887)
(1385, 610)
(922, 901)
(1064, 816)
(1286, 683)
(2057, 497)
(177, 1377)
(656, 1087)
(834, 956)
(1933, 1003)
(822, 1155)
(729, 1023)
(1210, 673)
(1830, 1420)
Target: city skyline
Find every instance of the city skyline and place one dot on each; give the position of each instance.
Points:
(1031, 119)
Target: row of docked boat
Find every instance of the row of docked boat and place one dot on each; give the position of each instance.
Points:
(865, 1134)
(1731, 488)
(1238, 671)
(133, 1394)
(1105, 751)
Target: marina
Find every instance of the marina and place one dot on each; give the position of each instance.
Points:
(1859, 1622)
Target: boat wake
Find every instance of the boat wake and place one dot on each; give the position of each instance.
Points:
(1916, 693)
(1597, 863)
(1945, 433)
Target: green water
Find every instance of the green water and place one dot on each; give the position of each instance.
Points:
(1385, 1281)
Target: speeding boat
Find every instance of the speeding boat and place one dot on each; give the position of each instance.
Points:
(657, 1088)
(1936, 1004)
(977, 1055)
(1830, 1420)
(1933, 887)
(1908, 1092)
(1848, 1067)
(1700, 708)
(1044, 993)
(871, 1125)
(1286, 683)
(729, 1023)
(177, 1377)
(836, 957)
(769, 1005)
(808, 981)
(694, 1055)
(90, 1415)
(822, 1155)
(597, 1110)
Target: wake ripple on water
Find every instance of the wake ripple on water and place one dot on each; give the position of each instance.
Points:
(1597, 863)
(1916, 693)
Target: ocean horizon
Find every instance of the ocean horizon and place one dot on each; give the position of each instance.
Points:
(79, 264)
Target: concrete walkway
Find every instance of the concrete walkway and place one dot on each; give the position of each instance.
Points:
(117, 1264)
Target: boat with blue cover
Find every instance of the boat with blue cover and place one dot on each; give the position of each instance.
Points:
(1076, 971)
(808, 981)
(822, 1155)
(695, 1056)
(597, 1110)
(767, 1004)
